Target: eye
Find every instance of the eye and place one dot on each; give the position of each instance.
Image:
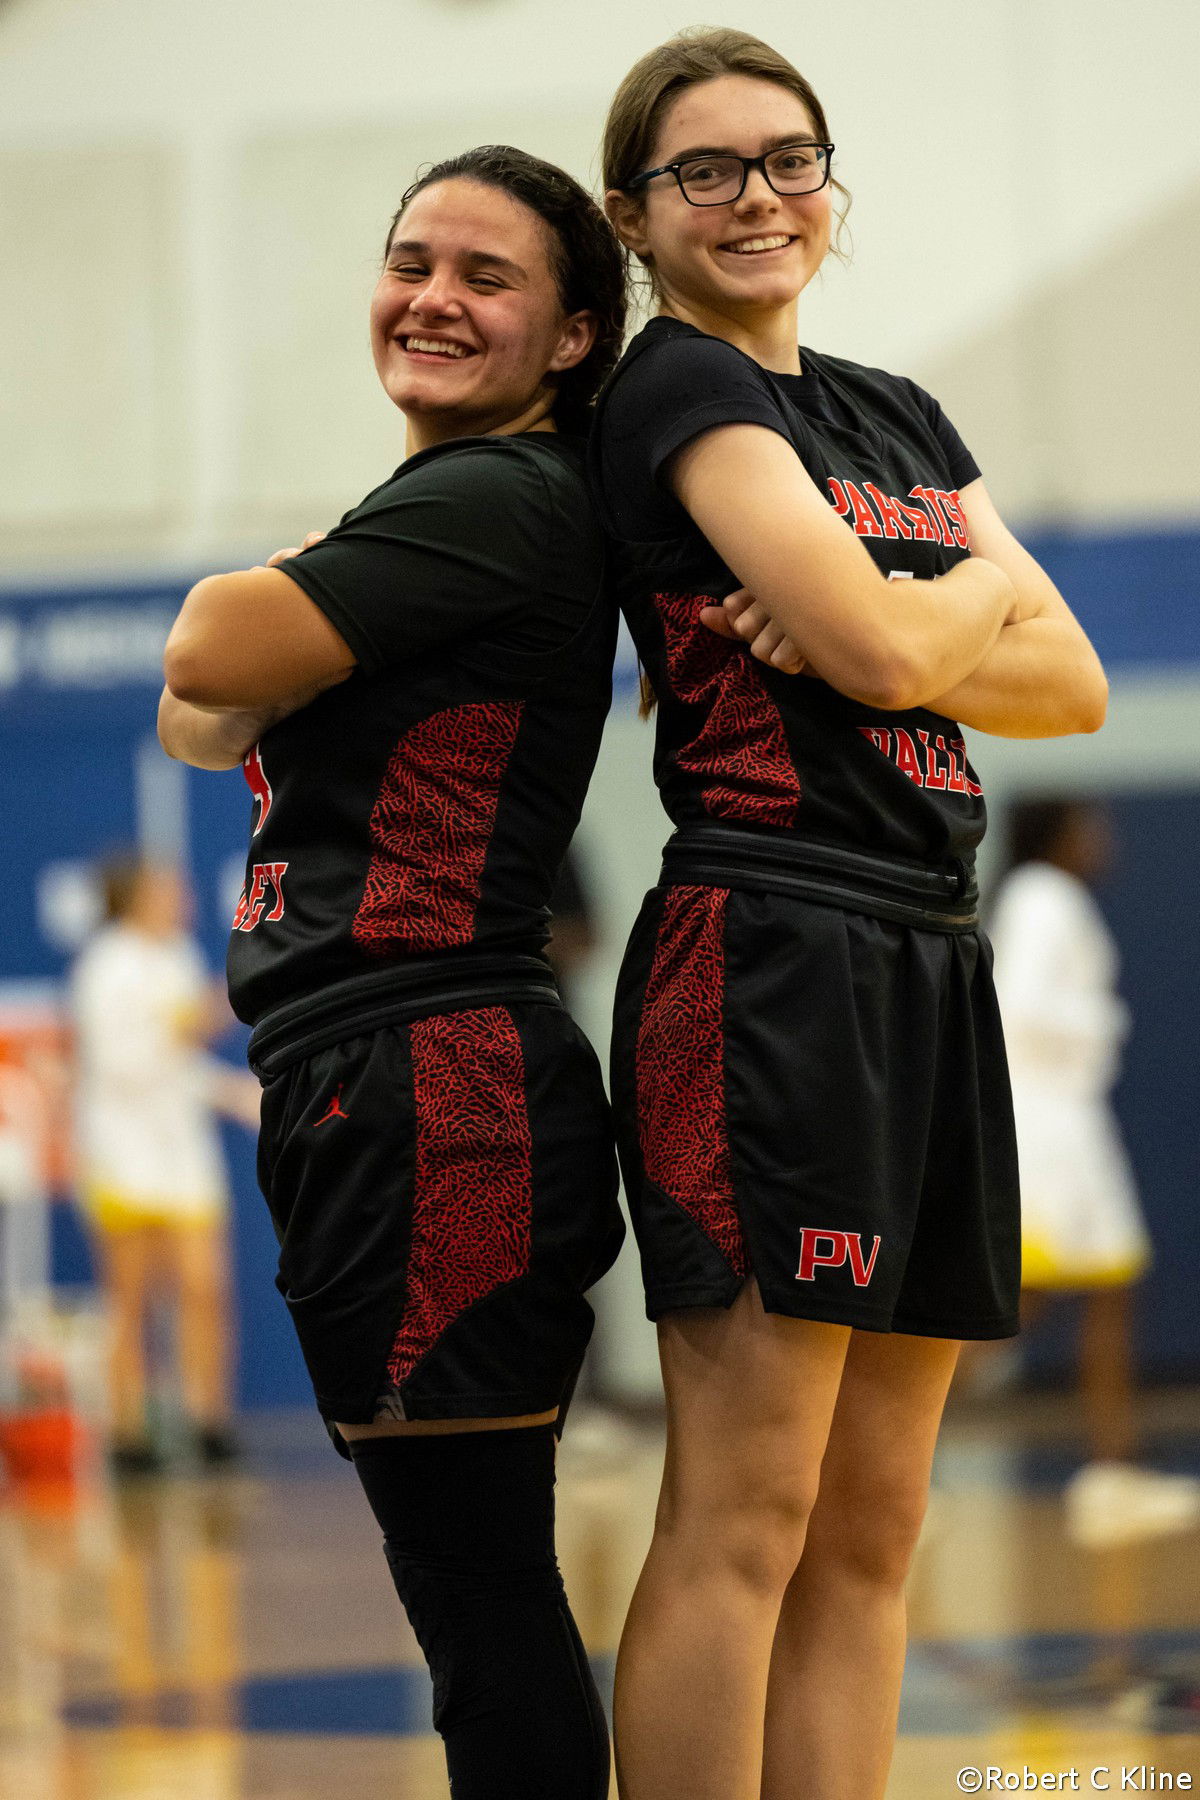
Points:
(408, 271)
(487, 284)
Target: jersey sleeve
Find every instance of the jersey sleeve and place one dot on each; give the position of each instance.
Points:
(673, 393)
(963, 467)
(446, 553)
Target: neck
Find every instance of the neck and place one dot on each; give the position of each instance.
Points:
(768, 336)
(426, 430)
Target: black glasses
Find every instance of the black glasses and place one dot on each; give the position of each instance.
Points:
(717, 180)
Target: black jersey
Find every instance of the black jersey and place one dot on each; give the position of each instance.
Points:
(738, 740)
(424, 806)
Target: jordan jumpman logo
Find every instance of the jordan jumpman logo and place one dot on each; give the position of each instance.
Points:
(335, 1109)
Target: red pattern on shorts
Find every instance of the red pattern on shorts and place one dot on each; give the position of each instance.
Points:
(473, 1201)
(430, 829)
(680, 1068)
(741, 750)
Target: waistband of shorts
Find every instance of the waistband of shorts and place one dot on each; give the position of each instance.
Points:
(931, 897)
(414, 989)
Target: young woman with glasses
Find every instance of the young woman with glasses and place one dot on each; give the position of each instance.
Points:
(809, 1073)
(418, 697)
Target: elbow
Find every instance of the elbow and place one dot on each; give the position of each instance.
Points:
(1094, 704)
(186, 676)
(890, 681)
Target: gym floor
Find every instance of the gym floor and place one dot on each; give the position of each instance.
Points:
(235, 1637)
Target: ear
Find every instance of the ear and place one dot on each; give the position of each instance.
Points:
(578, 334)
(627, 216)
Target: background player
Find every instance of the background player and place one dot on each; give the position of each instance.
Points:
(151, 1172)
(1082, 1230)
(436, 1149)
(808, 1066)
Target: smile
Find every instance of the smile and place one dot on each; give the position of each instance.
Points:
(756, 246)
(442, 347)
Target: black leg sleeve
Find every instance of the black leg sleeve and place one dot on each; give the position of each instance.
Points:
(468, 1524)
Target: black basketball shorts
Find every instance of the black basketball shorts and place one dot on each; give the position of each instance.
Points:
(444, 1191)
(819, 1099)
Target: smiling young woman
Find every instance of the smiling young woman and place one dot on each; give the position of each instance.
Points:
(418, 699)
(808, 1075)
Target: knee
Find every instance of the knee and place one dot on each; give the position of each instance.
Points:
(869, 1530)
(754, 1533)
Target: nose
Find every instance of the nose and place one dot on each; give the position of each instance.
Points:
(437, 299)
(758, 194)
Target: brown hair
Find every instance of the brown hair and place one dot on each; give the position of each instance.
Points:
(698, 55)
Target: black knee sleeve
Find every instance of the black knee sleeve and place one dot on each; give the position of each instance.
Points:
(468, 1524)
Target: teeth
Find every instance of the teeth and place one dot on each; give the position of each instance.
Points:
(434, 346)
(749, 244)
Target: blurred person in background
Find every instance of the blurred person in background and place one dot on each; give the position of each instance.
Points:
(418, 698)
(151, 1172)
(1082, 1228)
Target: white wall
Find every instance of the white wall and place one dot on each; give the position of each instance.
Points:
(192, 194)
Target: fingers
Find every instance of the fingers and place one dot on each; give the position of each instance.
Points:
(717, 620)
(281, 556)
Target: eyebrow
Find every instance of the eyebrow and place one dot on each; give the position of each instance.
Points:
(479, 259)
(775, 143)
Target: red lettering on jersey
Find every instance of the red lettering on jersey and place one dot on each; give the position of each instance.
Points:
(881, 738)
(838, 500)
(907, 758)
(275, 873)
(260, 787)
(935, 774)
(865, 522)
(958, 752)
(957, 772)
(919, 520)
(894, 522)
(266, 879)
(933, 500)
(953, 508)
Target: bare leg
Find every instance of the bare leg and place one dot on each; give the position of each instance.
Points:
(750, 1396)
(839, 1650)
(1106, 1374)
(127, 1261)
(198, 1263)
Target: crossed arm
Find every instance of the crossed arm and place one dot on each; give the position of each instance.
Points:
(247, 650)
(992, 644)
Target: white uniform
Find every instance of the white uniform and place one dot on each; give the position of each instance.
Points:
(1056, 968)
(147, 1142)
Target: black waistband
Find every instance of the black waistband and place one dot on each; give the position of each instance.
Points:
(935, 899)
(393, 996)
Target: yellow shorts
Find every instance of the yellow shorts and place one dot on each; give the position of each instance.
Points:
(110, 1210)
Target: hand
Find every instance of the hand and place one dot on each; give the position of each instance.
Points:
(281, 556)
(742, 618)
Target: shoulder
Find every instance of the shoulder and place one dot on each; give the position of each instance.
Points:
(477, 469)
(668, 356)
(902, 390)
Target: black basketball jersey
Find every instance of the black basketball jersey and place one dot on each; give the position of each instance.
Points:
(424, 806)
(738, 740)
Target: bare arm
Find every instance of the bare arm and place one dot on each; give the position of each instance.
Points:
(1041, 677)
(893, 645)
(214, 738)
(250, 642)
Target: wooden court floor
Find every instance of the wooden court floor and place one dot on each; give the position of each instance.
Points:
(222, 1638)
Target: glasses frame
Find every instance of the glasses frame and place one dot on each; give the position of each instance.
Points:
(748, 162)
